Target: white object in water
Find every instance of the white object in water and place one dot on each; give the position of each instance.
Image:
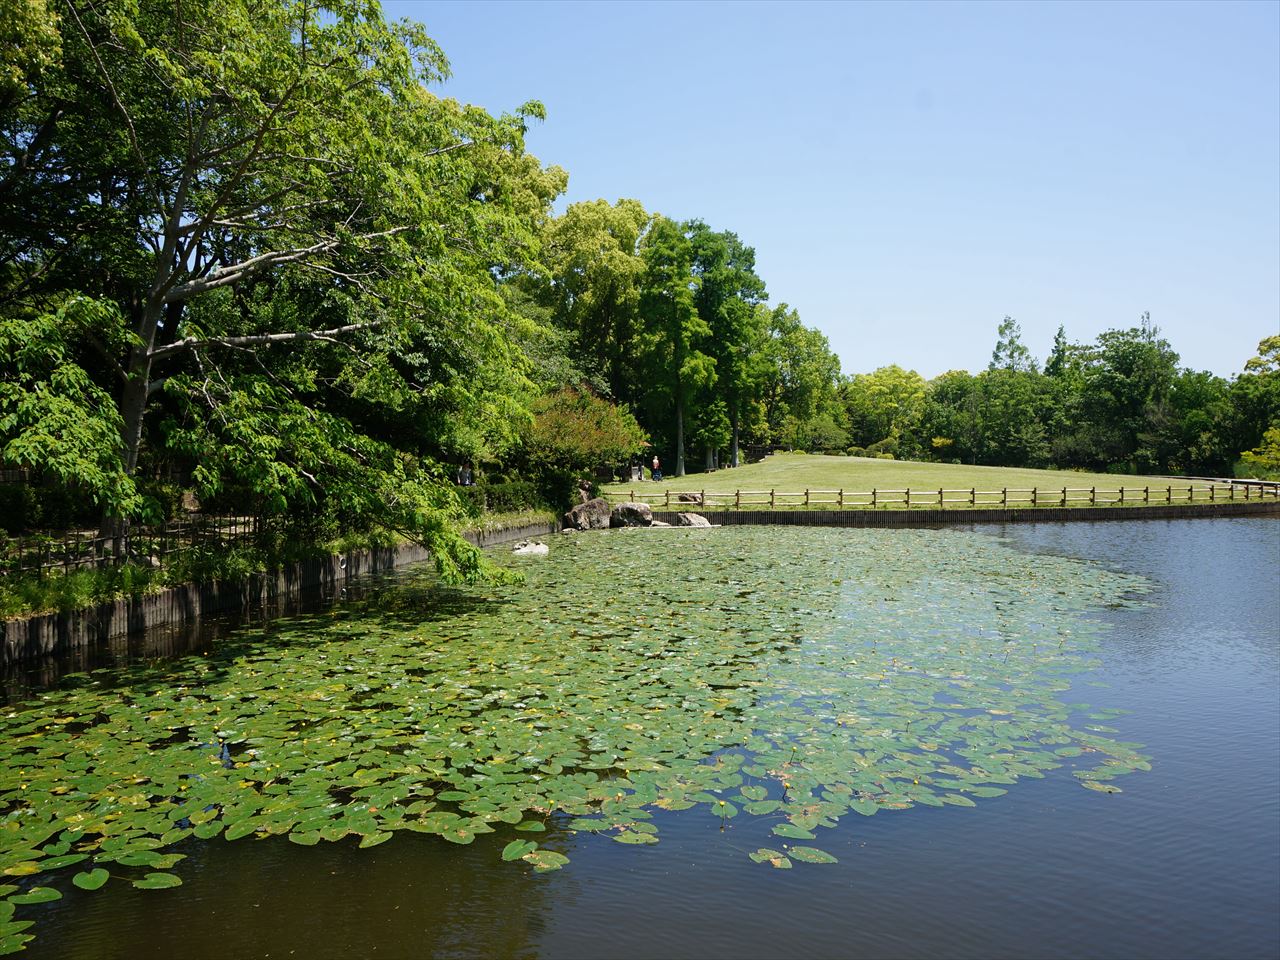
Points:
(531, 548)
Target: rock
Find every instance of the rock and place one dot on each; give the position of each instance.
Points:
(592, 515)
(659, 523)
(690, 498)
(531, 548)
(691, 520)
(631, 515)
(569, 530)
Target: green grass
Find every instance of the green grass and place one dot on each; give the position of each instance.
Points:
(795, 473)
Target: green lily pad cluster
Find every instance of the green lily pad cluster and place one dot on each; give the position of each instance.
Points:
(786, 676)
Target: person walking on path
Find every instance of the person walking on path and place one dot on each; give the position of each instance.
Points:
(657, 468)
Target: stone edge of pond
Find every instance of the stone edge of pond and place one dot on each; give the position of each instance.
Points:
(933, 517)
(54, 633)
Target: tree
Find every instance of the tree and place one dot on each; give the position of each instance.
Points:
(728, 292)
(1125, 397)
(236, 177)
(1255, 396)
(594, 274)
(950, 423)
(1010, 352)
(885, 405)
(672, 327)
(573, 431)
(798, 374)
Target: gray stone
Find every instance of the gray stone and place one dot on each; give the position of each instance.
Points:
(690, 498)
(659, 523)
(691, 520)
(592, 515)
(631, 515)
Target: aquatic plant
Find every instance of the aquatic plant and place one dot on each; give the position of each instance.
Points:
(794, 676)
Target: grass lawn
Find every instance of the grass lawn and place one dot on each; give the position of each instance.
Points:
(796, 472)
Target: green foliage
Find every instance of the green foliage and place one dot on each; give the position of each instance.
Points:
(55, 419)
(574, 430)
(1264, 460)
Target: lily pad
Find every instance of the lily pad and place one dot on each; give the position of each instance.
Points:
(91, 879)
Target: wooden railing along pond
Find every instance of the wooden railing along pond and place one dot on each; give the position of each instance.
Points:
(67, 551)
(941, 498)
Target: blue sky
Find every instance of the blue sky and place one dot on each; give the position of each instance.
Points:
(910, 173)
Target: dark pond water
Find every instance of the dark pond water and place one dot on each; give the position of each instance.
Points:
(1185, 862)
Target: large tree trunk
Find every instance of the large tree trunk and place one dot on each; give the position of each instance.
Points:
(710, 459)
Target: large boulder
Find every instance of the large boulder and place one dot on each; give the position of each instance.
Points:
(692, 520)
(592, 515)
(631, 515)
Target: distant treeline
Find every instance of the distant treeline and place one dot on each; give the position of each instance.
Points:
(672, 320)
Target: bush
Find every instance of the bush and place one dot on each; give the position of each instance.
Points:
(885, 455)
(857, 451)
(512, 496)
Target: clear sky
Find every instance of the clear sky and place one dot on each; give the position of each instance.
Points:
(910, 173)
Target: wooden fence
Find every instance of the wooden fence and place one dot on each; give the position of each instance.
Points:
(64, 552)
(940, 498)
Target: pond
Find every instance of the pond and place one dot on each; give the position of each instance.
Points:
(1051, 740)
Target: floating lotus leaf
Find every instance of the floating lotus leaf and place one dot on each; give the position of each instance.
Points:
(791, 830)
(517, 849)
(36, 895)
(545, 860)
(775, 859)
(91, 879)
(811, 855)
(158, 881)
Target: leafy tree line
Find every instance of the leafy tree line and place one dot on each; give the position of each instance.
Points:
(670, 319)
(1120, 404)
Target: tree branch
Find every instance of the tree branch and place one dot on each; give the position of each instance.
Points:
(238, 271)
(195, 343)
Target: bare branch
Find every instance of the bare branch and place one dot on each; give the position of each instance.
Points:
(194, 343)
(238, 271)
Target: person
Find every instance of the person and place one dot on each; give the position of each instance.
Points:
(657, 468)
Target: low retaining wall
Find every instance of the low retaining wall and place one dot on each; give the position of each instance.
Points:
(58, 632)
(870, 517)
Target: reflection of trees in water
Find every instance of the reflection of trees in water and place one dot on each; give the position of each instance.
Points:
(416, 896)
(406, 594)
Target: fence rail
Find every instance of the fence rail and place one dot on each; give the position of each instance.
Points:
(941, 498)
(65, 552)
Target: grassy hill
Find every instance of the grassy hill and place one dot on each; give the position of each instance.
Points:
(796, 472)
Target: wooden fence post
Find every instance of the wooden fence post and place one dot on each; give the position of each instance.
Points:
(973, 496)
(1146, 494)
(941, 502)
(806, 496)
(873, 496)
(1122, 493)
(737, 499)
(907, 498)
(840, 499)
(771, 495)
(1004, 496)
(1035, 496)
(1064, 496)
(668, 492)
(1168, 494)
